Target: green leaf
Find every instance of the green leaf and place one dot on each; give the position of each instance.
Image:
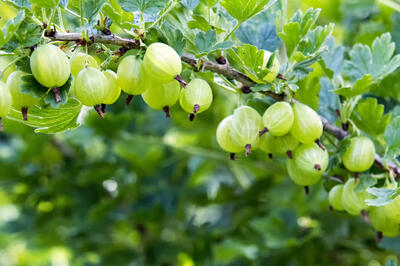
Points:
(206, 43)
(291, 36)
(392, 137)
(49, 120)
(209, 3)
(244, 9)
(63, 91)
(366, 181)
(334, 58)
(118, 16)
(383, 196)
(391, 262)
(19, 3)
(370, 118)
(303, 67)
(361, 86)
(315, 39)
(92, 8)
(328, 101)
(175, 39)
(45, 3)
(27, 35)
(377, 61)
(11, 27)
(24, 65)
(309, 89)
(145, 6)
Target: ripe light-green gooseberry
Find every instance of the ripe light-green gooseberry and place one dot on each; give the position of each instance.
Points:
(196, 97)
(20, 101)
(5, 102)
(360, 155)
(161, 96)
(307, 126)
(278, 145)
(272, 63)
(132, 77)
(80, 60)
(162, 63)
(91, 88)
(382, 223)
(224, 138)
(278, 119)
(301, 177)
(113, 91)
(50, 67)
(354, 201)
(335, 197)
(245, 126)
(4, 61)
(392, 209)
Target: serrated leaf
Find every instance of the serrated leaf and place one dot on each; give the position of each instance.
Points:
(31, 86)
(190, 4)
(145, 6)
(11, 27)
(369, 117)
(28, 34)
(366, 181)
(328, 101)
(91, 8)
(63, 91)
(49, 120)
(174, 38)
(334, 57)
(315, 39)
(392, 137)
(377, 61)
(361, 86)
(45, 3)
(121, 18)
(303, 67)
(309, 89)
(383, 196)
(264, 37)
(242, 10)
(206, 43)
(24, 65)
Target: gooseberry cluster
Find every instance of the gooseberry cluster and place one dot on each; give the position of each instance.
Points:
(155, 77)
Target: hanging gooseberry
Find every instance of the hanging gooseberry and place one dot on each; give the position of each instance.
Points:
(335, 197)
(224, 137)
(196, 97)
(360, 155)
(307, 126)
(162, 96)
(278, 119)
(392, 209)
(91, 88)
(354, 201)
(80, 61)
(162, 63)
(5, 102)
(20, 100)
(245, 125)
(131, 76)
(382, 223)
(113, 89)
(50, 67)
(278, 145)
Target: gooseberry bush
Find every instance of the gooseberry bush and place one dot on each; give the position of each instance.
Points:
(298, 98)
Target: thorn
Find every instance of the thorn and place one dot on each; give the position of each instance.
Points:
(128, 100)
(98, 110)
(307, 190)
(57, 94)
(248, 149)
(24, 111)
(1, 125)
(103, 108)
(262, 132)
(181, 81)
(379, 237)
(330, 208)
(280, 76)
(317, 167)
(365, 216)
(270, 156)
(319, 143)
(166, 110)
(232, 156)
(289, 154)
(355, 177)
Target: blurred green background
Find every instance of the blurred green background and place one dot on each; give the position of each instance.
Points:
(139, 189)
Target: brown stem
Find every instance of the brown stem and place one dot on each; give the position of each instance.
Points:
(232, 156)
(355, 177)
(196, 108)
(248, 149)
(103, 108)
(166, 110)
(379, 237)
(290, 154)
(57, 94)
(307, 190)
(319, 143)
(128, 100)
(181, 81)
(270, 155)
(280, 76)
(24, 111)
(98, 110)
(262, 132)
(365, 216)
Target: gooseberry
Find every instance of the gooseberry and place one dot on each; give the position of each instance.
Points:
(196, 97)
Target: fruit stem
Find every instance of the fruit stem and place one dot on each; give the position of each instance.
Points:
(232, 156)
(317, 167)
(196, 108)
(289, 154)
(365, 216)
(355, 177)
(128, 100)
(262, 132)
(1, 125)
(270, 156)
(280, 76)
(307, 190)
(379, 237)
(319, 143)
(330, 208)
(166, 110)
(103, 108)
(248, 149)
(57, 94)
(181, 81)
(24, 111)
(98, 110)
